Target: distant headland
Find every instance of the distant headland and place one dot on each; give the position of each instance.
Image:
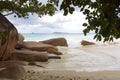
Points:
(60, 33)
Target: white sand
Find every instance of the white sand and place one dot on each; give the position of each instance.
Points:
(98, 62)
(72, 75)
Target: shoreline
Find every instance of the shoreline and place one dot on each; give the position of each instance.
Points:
(100, 61)
(91, 62)
(57, 70)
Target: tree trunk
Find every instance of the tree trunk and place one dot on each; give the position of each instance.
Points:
(8, 38)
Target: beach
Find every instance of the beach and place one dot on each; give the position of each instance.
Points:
(65, 57)
(72, 75)
(93, 62)
(86, 58)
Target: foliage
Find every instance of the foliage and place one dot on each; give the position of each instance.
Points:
(22, 8)
(103, 16)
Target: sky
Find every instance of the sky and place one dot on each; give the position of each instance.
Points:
(71, 23)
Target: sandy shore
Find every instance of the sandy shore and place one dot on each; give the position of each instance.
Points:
(98, 62)
(71, 75)
(90, 63)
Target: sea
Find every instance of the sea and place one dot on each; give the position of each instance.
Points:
(99, 57)
(72, 38)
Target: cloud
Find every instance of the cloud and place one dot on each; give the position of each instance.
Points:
(71, 23)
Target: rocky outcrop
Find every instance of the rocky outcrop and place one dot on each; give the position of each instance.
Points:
(83, 42)
(28, 55)
(12, 70)
(37, 46)
(54, 51)
(56, 42)
(20, 38)
(8, 38)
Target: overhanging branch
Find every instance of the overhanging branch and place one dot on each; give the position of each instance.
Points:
(8, 14)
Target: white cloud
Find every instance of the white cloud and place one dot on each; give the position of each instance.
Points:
(48, 24)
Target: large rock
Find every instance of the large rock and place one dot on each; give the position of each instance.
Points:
(28, 55)
(8, 38)
(20, 38)
(83, 42)
(54, 51)
(56, 42)
(37, 46)
(13, 70)
(52, 56)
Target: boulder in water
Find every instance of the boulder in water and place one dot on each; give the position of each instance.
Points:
(83, 42)
(56, 42)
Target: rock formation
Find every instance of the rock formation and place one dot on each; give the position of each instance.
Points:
(8, 38)
(12, 46)
(20, 38)
(54, 51)
(39, 46)
(83, 42)
(12, 70)
(56, 42)
(29, 55)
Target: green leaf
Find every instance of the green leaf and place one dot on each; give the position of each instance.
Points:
(71, 9)
(81, 9)
(111, 39)
(96, 30)
(65, 12)
(95, 36)
(99, 37)
(87, 11)
(85, 31)
(85, 24)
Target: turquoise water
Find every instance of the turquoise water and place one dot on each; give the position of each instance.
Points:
(45, 36)
(73, 39)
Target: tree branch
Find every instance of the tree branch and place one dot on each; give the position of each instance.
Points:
(8, 14)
